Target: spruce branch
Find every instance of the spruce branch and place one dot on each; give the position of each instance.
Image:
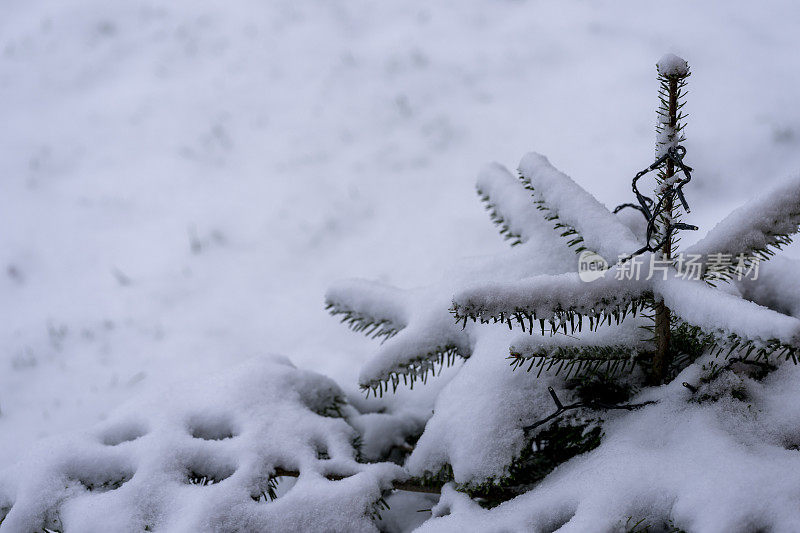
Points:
(414, 369)
(377, 310)
(542, 453)
(572, 236)
(753, 232)
(743, 326)
(730, 345)
(371, 326)
(508, 209)
(577, 359)
(568, 207)
(496, 216)
(572, 320)
(561, 302)
(609, 350)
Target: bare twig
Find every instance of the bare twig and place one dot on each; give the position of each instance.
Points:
(410, 486)
(561, 408)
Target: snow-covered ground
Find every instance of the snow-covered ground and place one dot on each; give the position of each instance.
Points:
(181, 181)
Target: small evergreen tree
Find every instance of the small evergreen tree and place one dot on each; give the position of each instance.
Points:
(653, 313)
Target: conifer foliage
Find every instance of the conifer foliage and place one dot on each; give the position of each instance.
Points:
(589, 345)
(648, 279)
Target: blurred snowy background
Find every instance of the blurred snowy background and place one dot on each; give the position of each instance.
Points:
(180, 181)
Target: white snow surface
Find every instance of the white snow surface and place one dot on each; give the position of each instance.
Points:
(236, 427)
(716, 467)
(485, 402)
(180, 182)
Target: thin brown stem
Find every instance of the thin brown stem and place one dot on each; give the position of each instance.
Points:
(396, 485)
(663, 355)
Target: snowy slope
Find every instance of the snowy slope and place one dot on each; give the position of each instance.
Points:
(180, 181)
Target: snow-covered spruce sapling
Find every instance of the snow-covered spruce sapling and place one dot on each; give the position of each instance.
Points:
(654, 312)
(675, 291)
(672, 77)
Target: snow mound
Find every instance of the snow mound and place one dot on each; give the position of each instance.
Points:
(212, 456)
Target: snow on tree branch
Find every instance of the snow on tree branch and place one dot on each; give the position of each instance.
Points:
(671, 65)
(724, 315)
(674, 464)
(611, 348)
(366, 306)
(762, 225)
(432, 340)
(562, 300)
(598, 228)
(421, 335)
(484, 402)
(418, 335)
(519, 219)
(777, 286)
